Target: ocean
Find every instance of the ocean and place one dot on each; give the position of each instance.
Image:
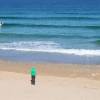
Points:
(53, 36)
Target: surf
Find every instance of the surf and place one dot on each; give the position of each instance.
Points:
(49, 47)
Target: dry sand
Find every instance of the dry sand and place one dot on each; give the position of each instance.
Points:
(50, 84)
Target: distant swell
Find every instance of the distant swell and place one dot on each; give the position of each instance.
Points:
(63, 36)
(51, 18)
(79, 13)
(48, 26)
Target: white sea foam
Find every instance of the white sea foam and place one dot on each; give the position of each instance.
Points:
(49, 47)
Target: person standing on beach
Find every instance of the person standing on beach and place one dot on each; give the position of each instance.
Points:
(33, 75)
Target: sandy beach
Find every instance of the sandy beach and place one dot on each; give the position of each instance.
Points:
(72, 82)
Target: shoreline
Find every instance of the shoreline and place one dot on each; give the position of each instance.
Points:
(53, 69)
(41, 57)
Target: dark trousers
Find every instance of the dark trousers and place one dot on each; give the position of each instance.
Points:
(33, 80)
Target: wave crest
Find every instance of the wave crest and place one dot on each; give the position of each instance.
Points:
(95, 27)
(51, 18)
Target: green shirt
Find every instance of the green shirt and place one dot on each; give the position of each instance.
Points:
(33, 71)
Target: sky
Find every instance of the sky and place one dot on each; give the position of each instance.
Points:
(50, 3)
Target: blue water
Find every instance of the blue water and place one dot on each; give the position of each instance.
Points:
(62, 32)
